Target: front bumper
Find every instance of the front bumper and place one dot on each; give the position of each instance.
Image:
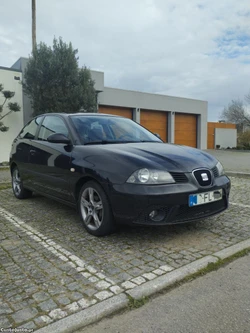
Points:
(132, 204)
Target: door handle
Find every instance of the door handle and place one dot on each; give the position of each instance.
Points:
(32, 152)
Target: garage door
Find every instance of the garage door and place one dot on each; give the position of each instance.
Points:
(186, 129)
(156, 122)
(119, 111)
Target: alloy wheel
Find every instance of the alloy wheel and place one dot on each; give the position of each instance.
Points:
(92, 208)
(16, 181)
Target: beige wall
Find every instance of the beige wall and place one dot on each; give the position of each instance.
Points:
(14, 120)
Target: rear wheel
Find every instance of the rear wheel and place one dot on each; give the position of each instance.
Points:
(95, 210)
(17, 186)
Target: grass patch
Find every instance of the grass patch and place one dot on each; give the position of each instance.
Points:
(4, 168)
(213, 266)
(136, 303)
(5, 186)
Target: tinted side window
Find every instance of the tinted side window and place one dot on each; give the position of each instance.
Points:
(29, 131)
(51, 125)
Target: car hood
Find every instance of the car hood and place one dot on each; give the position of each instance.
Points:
(165, 156)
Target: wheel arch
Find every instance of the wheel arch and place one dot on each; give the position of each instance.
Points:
(12, 166)
(83, 181)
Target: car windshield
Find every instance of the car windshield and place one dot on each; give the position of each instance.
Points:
(104, 129)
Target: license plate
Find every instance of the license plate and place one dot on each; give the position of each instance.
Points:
(204, 198)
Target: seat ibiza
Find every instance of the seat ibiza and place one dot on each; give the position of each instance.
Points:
(115, 171)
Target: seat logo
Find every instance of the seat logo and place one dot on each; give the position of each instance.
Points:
(204, 177)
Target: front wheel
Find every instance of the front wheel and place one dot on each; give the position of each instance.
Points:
(95, 210)
(17, 186)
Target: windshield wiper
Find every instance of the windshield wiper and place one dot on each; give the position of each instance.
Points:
(150, 141)
(103, 142)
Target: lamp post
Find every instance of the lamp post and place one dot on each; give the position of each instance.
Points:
(33, 24)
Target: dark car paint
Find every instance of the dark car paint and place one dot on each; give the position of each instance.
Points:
(55, 170)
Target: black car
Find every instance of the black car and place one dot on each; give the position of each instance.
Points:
(115, 171)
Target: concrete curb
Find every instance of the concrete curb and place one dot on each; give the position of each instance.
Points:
(120, 302)
(230, 251)
(88, 316)
(237, 174)
(166, 280)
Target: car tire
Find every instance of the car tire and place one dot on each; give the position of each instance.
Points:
(95, 210)
(17, 185)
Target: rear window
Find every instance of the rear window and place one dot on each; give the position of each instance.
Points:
(29, 131)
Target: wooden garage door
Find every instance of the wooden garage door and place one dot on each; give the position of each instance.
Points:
(186, 129)
(119, 111)
(156, 122)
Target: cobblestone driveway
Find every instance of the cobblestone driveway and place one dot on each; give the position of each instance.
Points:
(51, 267)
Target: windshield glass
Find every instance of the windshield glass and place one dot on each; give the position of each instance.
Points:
(103, 129)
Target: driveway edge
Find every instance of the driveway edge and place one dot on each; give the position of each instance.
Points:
(120, 302)
(88, 316)
(237, 174)
(167, 280)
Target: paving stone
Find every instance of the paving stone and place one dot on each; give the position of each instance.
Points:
(24, 315)
(93, 279)
(89, 292)
(5, 323)
(101, 285)
(73, 307)
(102, 295)
(4, 308)
(42, 320)
(159, 272)
(139, 280)
(149, 276)
(48, 305)
(40, 296)
(128, 285)
(116, 289)
(75, 296)
(30, 326)
(83, 303)
(63, 300)
(57, 314)
(73, 286)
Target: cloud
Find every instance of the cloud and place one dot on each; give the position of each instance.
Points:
(196, 48)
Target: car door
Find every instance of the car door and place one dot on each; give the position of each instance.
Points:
(51, 161)
(20, 152)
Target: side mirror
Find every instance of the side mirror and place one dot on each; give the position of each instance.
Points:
(158, 135)
(58, 138)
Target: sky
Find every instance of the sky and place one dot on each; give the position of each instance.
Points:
(197, 49)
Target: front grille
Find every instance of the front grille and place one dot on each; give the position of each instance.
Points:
(215, 172)
(203, 177)
(179, 177)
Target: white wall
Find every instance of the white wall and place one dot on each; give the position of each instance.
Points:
(226, 137)
(14, 120)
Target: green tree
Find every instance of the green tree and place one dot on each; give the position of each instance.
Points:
(54, 82)
(11, 107)
(237, 113)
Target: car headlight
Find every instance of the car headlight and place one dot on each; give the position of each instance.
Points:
(149, 176)
(220, 169)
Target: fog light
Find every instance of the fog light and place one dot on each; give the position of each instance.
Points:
(157, 215)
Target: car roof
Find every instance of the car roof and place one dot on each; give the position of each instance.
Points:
(85, 114)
